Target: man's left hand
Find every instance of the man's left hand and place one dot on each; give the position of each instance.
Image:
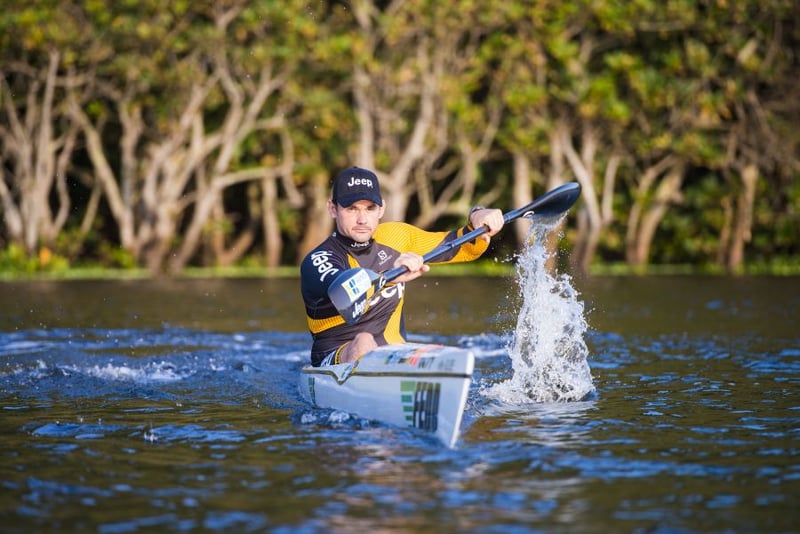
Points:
(492, 219)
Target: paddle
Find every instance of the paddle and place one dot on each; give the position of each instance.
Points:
(352, 289)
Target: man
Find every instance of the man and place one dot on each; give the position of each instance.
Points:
(361, 240)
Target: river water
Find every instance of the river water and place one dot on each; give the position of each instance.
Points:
(171, 405)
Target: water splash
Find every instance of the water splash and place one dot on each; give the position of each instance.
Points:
(548, 351)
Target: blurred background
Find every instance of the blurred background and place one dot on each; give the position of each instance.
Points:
(161, 136)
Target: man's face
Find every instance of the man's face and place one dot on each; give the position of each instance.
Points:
(357, 221)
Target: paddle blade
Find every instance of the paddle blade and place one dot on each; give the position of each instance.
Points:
(555, 202)
(351, 292)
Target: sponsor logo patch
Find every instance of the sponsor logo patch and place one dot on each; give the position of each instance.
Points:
(321, 260)
(360, 181)
(357, 285)
(421, 403)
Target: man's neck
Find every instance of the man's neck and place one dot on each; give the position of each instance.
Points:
(352, 245)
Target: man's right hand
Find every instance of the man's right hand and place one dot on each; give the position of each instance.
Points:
(414, 263)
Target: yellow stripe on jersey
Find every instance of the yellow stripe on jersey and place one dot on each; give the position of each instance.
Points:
(407, 238)
(392, 331)
(315, 326)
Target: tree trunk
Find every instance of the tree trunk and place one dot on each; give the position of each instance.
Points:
(556, 175)
(667, 192)
(522, 194)
(270, 223)
(744, 217)
(229, 254)
(121, 211)
(36, 151)
(725, 233)
(590, 216)
(641, 201)
(318, 223)
(221, 228)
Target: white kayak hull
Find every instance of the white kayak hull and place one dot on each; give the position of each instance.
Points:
(408, 385)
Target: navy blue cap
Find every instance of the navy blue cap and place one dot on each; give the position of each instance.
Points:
(354, 184)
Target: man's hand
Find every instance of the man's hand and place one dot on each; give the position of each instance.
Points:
(415, 265)
(492, 219)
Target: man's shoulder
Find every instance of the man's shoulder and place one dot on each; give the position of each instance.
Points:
(320, 265)
(402, 232)
(393, 227)
(393, 234)
(327, 249)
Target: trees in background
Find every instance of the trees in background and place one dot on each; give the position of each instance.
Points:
(166, 135)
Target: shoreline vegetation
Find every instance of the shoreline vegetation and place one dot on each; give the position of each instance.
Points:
(138, 137)
(489, 267)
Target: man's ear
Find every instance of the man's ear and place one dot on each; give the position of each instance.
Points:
(331, 208)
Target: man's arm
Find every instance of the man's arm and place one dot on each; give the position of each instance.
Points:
(317, 271)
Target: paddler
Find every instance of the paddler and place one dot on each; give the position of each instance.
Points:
(361, 240)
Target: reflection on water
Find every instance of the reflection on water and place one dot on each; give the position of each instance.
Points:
(157, 406)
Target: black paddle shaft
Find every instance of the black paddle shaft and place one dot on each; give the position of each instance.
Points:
(553, 203)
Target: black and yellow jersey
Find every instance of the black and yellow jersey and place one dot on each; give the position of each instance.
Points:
(384, 318)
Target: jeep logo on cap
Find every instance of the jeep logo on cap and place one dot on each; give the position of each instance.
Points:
(359, 181)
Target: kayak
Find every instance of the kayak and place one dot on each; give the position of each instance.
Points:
(417, 385)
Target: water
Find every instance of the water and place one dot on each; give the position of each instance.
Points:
(172, 406)
(548, 351)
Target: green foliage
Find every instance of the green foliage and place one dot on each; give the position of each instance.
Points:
(15, 259)
(111, 256)
(713, 82)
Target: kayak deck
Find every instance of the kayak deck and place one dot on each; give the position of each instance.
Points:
(424, 386)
